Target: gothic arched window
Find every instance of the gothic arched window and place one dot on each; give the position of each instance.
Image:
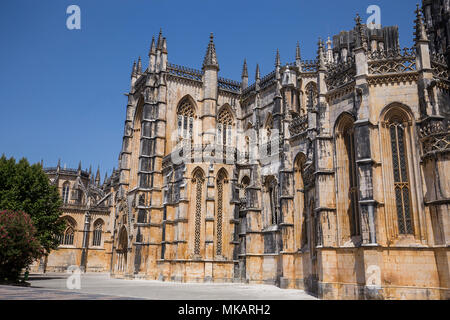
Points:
(269, 128)
(68, 237)
(65, 192)
(221, 180)
(142, 216)
(224, 127)
(397, 128)
(97, 235)
(272, 191)
(311, 95)
(397, 134)
(185, 119)
(299, 199)
(141, 200)
(348, 208)
(198, 181)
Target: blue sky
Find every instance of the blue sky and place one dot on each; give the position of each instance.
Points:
(62, 91)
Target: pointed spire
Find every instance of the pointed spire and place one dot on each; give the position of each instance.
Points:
(244, 76)
(421, 32)
(298, 55)
(97, 176)
(330, 57)
(42, 163)
(59, 164)
(244, 69)
(361, 37)
(164, 45)
(90, 170)
(277, 59)
(321, 55)
(152, 47)
(257, 75)
(159, 44)
(106, 177)
(210, 57)
(139, 66)
(133, 69)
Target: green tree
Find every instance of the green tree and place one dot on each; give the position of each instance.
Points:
(25, 187)
(18, 244)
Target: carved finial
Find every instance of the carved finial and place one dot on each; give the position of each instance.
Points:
(421, 32)
(257, 75)
(277, 59)
(244, 69)
(210, 57)
(79, 166)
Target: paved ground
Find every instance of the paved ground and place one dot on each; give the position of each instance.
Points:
(101, 287)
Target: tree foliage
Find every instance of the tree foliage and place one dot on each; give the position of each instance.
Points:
(18, 244)
(25, 187)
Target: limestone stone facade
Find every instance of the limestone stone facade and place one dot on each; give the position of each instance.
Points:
(87, 241)
(329, 175)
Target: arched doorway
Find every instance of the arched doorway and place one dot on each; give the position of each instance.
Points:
(122, 250)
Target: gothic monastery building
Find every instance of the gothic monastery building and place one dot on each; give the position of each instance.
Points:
(330, 175)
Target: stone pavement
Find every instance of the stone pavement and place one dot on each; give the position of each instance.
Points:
(102, 287)
(24, 293)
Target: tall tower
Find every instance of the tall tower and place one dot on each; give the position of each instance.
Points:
(210, 81)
